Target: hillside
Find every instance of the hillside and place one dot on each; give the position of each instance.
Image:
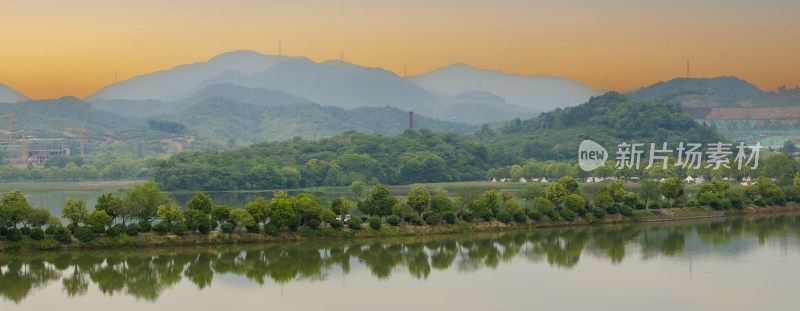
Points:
(223, 119)
(539, 93)
(699, 92)
(608, 119)
(9, 95)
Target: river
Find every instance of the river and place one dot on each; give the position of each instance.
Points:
(730, 264)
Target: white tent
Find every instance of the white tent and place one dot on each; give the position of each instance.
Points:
(689, 179)
(522, 180)
(544, 179)
(494, 179)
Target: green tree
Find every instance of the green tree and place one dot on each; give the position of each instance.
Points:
(418, 199)
(574, 202)
(170, 212)
(259, 209)
(648, 191)
(307, 207)
(241, 219)
(379, 201)
(99, 221)
(671, 188)
(75, 210)
(441, 204)
(282, 213)
(14, 208)
(492, 202)
(146, 199)
(37, 217)
(340, 206)
(110, 204)
(201, 202)
(357, 188)
(220, 213)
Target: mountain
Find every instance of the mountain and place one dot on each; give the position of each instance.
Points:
(539, 93)
(9, 95)
(699, 92)
(182, 81)
(224, 119)
(476, 107)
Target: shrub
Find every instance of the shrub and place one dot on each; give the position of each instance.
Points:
(535, 214)
(654, 205)
(161, 228)
(520, 217)
(613, 209)
(426, 215)
(581, 211)
(598, 212)
(337, 224)
(3, 230)
(313, 224)
(758, 202)
(112, 232)
(50, 230)
(133, 229)
(14, 235)
(85, 234)
(25, 230)
(272, 229)
(120, 227)
(432, 220)
(468, 217)
(145, 226)
(179, 228)
(71, 227)
(665, 204)
(393, 220)
(62, 235)
(37, 233)
(450, 218)
(253, 228)
(626, 211)
(355, 223)
(769, 201)
(205, 225)
(227, 227)
(552, 214)
(375, 222)
(416, 220)
(504, 217)
(567, 214)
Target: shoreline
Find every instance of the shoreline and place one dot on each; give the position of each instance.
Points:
(153, 240)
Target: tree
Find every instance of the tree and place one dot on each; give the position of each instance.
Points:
(533, 191)
(340, 206)
(259, 209)
(789, 147)
(467, 195)
(282, 213)
(505, 195)
(492, 202)
(556, 193)
(796, 181)
(307, 207)
(170, 212)
(220, 213)
(574, 202)
(99, 220)
(569, 184)
(146, 199)
(37, 217)
(441, 204)
(648, 191)
(357, 188)
(110, 204)
(241, 219)
(671, 188)
(75, 210)
(14, 208)
(418, 199)
(201, 202)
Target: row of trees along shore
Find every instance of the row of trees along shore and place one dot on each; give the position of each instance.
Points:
(564, 200)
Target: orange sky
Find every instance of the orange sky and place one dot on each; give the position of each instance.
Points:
(54, 48)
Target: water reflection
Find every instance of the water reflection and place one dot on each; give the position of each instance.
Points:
(146, 274)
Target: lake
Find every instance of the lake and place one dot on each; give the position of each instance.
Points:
(730, 264)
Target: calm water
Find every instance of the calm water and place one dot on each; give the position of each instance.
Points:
(735, 264)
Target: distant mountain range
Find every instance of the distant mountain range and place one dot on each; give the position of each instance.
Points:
(9, 95)
(445, 93)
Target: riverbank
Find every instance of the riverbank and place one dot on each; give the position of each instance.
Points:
(145, 240)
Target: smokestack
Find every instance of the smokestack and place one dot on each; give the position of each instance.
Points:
(411, 120)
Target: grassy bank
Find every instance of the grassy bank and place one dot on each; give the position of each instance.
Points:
(146, 240)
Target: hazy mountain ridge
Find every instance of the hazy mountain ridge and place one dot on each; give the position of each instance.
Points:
(699, 92)
(9, 95)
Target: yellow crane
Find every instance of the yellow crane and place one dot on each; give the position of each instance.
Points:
(10, 117)
(82, 130)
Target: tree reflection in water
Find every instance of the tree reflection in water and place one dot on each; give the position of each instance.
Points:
(146, 273)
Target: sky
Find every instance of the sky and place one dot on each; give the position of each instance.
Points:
(55, 48)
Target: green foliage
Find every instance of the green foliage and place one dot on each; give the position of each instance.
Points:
(357, 188)
(337, 224)
(340, 206)
(99, 220)
(179, 229)
(393, 220)
(491, 201)
(201, 202)
(170, 213)
(467, 217)
(259, 209)
(37, 233)
(253, 228)
(432, 219)
(451, 218)
(241, 219)
(220, 213)
(282, 213)
(535, 214)
(109, 203)
(671, 188)
(161, 228)
(313, 224)
(166, 126)
(574, 202)
(145, 226)
(75, 210)
(14, 235)
(63, 235)
(378, 202)
(504, 217)
(14, 208)
(626, 211)
(599, 212)
(355, 223)
(567, 214)
(227, 227)
(37, 217)
(112, 232)
(416, 220)
(375, 222)
(146, 199)
(328, 215)
(84, 234)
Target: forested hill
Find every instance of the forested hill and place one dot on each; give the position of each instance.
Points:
(424, 156)
(699, 92)
(608, 119)
(413, 156)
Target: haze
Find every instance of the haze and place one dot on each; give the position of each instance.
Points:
(56, 48)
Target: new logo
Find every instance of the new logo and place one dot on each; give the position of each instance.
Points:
(591, 155)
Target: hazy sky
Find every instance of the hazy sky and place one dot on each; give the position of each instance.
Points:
(53, 48)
